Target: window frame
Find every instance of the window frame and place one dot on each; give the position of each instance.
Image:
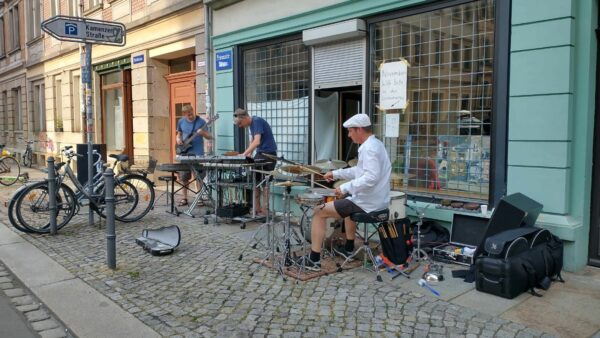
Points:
(499, 120)
(39, 106)
(2, 39)
(35, 24)
(17, 107)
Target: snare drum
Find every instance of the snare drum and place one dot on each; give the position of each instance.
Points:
(397, 209)
(310, 199)
(328, 195)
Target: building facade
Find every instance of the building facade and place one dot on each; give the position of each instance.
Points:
(497, 96)
(138, 89)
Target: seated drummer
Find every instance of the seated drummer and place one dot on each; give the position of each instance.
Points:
(264, 143)
(369, 189)
(189, 125)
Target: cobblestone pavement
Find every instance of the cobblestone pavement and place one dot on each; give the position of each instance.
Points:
(204, 290)
(39, 317)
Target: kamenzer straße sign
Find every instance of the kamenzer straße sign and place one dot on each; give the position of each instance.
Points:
(70, 28)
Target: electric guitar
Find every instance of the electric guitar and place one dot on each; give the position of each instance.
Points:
(181, 149)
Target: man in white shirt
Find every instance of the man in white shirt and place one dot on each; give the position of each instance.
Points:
(369, 189)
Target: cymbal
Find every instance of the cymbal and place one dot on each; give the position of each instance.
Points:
(300, 169)
(330, 164)
(263, 172)
(353, 162)
(231, 153)
(288, 184)
(273, 157)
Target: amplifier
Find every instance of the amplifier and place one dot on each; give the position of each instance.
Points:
(232, 210)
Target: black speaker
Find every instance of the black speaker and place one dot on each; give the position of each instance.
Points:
(531, 208)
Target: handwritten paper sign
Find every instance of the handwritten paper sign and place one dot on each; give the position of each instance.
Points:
(392, 125)
(392, 86)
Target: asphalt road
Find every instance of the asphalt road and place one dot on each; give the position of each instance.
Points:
(12, 323)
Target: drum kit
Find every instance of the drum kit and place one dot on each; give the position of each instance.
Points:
(281, 236)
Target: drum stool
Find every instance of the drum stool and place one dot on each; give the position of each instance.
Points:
(370, 218)
(168, 180)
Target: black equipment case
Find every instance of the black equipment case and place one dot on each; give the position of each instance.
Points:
(518, 260)
(466, 234)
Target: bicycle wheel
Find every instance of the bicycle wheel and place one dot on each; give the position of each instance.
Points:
(12, 216)
(9, 170)
(33, 207)
(126, 199)
(145, 192)
(27, 158)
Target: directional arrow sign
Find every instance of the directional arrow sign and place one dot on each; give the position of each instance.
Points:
(71, 28)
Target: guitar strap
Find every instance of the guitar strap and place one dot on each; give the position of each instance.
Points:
(193, 127)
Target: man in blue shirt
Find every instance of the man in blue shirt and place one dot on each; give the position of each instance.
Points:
(264, 143)
(189, 131)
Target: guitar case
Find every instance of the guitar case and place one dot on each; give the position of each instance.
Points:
(159, 242)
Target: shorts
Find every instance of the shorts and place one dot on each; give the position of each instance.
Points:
(187, 175)
(346, 207)
(269, 165)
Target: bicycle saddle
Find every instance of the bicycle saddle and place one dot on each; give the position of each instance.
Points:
(120, 157)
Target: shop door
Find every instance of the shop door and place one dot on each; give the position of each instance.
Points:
(594, 244)
(117, 117)
(182, 90)
(332, 108)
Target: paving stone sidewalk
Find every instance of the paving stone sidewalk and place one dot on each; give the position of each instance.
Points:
(203, 290)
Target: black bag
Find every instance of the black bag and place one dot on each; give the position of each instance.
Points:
(432, 235)
(527, 262)
(394, 236)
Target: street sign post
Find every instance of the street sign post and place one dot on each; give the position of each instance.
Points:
(71, 28)
(88, 31)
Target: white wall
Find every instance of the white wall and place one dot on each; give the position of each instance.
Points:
(250, 13)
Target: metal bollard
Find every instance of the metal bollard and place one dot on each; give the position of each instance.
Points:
(109, 198)
(52, 194)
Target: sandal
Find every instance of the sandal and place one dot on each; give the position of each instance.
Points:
(182, 202)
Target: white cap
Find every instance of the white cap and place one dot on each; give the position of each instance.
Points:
(358, 120)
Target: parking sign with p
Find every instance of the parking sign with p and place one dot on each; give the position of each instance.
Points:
(70, 28)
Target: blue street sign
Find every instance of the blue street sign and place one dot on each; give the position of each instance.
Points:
(138, 59)
(224, 60)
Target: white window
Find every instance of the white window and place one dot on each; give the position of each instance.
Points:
(17, 112)
(2, 51)
(76, 107)
(35, 28)
(58, 119)
(55, 7)
(13, 14)
(39, 107)
(74, 9)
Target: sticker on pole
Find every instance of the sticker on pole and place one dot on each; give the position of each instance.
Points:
(71, 28)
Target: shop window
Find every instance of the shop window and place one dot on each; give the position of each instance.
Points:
(276, 82)
(444, 145)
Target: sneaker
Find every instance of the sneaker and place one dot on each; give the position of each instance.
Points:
(308, 264)
(341, 250)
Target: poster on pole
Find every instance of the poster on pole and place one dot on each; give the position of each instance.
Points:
(392, 85)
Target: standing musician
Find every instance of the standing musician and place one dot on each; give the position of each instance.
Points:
(369, 189)
(264, 143)
(190, 126)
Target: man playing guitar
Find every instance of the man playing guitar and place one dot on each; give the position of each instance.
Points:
(190, 135)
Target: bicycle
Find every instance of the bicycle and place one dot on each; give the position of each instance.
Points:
(10, 169)
(34, 201)
(28, 154)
